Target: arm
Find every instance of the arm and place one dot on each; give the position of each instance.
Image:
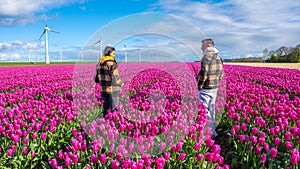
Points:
(115, 76)
(202, 75)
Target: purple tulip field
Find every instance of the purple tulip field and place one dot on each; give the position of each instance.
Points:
(51, 117)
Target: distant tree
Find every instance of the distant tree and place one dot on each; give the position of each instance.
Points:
(265, 53)
(282, 51)
(284, 54)
(294, 56)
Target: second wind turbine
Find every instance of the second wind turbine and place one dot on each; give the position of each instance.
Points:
(46, 29)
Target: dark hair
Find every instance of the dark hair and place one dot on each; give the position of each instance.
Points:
(208, 42)
(108, 50)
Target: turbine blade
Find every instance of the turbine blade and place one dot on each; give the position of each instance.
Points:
(53, 31)
(42, 34)
(45, 17)
(97, 42)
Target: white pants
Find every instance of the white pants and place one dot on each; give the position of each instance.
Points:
(208, 98)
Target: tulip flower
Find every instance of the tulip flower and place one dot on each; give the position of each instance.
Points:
(277, 141)
(181, 156)
(25, 150)
(68, 162)
(10, 152)
(94, 158)
(167, 155)
(103, 158)
(53, 163)
(43, 136)
(32, 154)
(295, 158)
(288, 135)
(273, 152)
(289, 145)
(199, 157)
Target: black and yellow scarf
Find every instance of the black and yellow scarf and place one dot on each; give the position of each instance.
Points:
(106, 58)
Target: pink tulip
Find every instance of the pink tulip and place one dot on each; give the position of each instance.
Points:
(254, 131)
(226, 167)
(115, 164)
(273, 152)
(253, 139)
(216, 149)
(10, 152)
(103, 158)
(199, 157)
(25, 150)
(258, 150)
(148, 161)
(68, 162)
(244, 127)
(25, 140)
(288, 135)
(289, 145)
(277, 141)
(60, 154)
(53, 163)
(94, 158)
(162, 146)
(43, 136)
(266, 146)
(209, 142)
(75, 158)
(264, 157)
(295, 158)
(74, 132)
(14, 147)
(181, 156)
(167, 155)
(233, 132)
(178, 147)
(209, 156)
(261, 140)
(220, 160)
(33, 136)
(32, 154)
(197, 146)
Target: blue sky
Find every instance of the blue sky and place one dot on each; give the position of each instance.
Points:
(170, 29)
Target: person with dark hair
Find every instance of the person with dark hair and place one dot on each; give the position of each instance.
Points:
(209, 77)
(109, 81)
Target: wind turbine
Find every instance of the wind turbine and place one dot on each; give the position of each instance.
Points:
(61, 55)
(46, 29)
(28, 54)
(125, 53)
(101, 44)
(140, 60)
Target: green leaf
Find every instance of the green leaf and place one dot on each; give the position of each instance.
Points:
(234, 163)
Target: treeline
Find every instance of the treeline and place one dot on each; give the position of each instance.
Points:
(248, 59)
(282, 54)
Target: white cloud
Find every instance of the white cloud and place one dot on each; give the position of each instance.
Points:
(242, 25)
(23, 11)
(15, 56)
(17, 45)
(3, 56)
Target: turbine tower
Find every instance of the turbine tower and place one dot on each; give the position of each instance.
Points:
(125, 53)
(61, 55)
(46, 29)
(28, 54)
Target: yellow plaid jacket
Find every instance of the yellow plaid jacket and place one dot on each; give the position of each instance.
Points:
(109, 76)
(211, 72)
